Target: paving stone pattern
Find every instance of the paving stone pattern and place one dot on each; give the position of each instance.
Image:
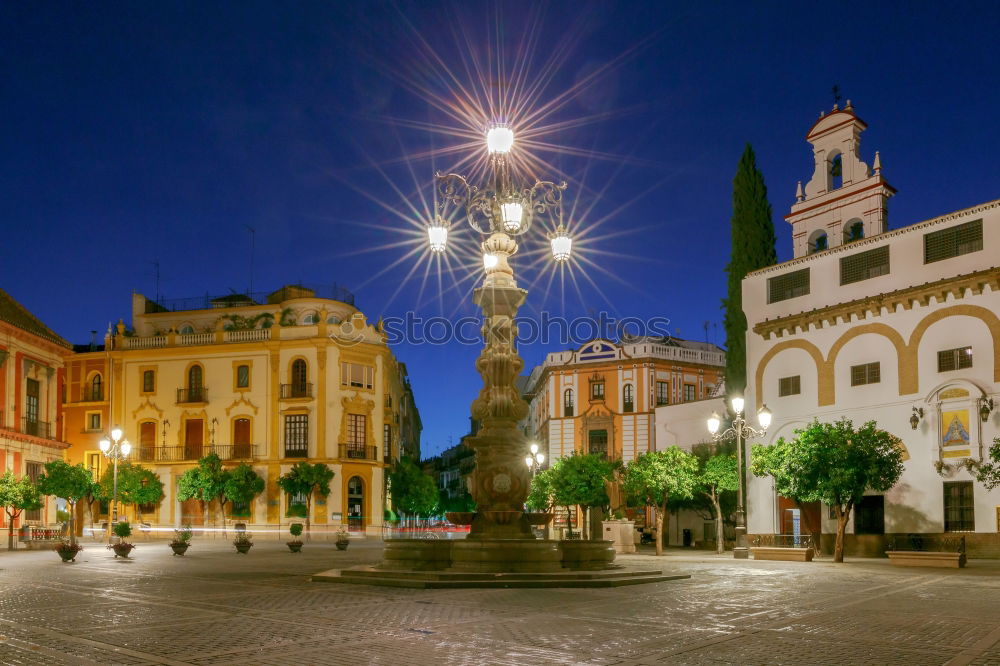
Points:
(214, 606)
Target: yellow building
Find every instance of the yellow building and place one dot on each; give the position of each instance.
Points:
(270, 380)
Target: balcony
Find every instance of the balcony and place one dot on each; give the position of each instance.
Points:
(195, 394)
(35, 428)
(358, 452)
(296, 450)
(191, 452)
(291, 391)
(92, 394)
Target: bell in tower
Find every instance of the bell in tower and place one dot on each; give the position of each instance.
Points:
(845, 200)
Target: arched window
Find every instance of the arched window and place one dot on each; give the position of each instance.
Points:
(195, 378)
(568, 402)
(96, 388)
(186, 329)
(818, 242)
(854, 231)
(355, 504)
(628, 403)
(300, 377)
(310, 318)
(836, 172)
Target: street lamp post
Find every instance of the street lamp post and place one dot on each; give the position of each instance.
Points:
(116, 449)
(500, 212)
(535, 460)
(740, 430)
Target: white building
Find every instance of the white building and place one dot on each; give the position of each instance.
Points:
(872, 324)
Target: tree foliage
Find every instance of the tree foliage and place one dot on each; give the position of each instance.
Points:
(988, 474)
(717, 475)
(654, 478)
(580, 480)
(305, 479)
(833, 463)
(541, 495)
(137, 485)
(242, 484)
(413, 492)
(17, 495)
(71, 482)
(753, 238)
(206, 482)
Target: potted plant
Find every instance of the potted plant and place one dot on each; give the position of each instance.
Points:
(343, 539)
(295, 545)
(242, 542)
(67, 551)
(182, 540)
(123, 531)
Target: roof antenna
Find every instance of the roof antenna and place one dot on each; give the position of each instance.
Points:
(836, 96)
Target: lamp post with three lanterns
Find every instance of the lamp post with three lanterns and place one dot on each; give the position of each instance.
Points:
(116, 449)
(740, 430)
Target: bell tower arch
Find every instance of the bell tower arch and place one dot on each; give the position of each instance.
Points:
(844, 200)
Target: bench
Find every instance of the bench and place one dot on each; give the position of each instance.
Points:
(917, 550)
(783, 547)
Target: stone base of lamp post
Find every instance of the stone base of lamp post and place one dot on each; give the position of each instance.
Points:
(740, 549)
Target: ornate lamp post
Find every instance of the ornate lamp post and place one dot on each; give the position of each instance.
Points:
(116, 449)
(535, 460)
(500, 211)
(740, 430)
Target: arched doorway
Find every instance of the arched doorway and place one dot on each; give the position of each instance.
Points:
(355, 504)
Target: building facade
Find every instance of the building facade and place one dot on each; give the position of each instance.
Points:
(31, 419)
(896, 326)
(268, 380)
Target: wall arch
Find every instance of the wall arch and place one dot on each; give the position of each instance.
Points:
(987, 316)
(906, 373)
(824, 392)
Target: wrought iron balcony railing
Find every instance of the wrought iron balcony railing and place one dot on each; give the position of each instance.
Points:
(358, 452)
(783, 541)
(296, 391)
(192, 394)
(190, 452)
(36, 428)
(92, 394)
(296, 450)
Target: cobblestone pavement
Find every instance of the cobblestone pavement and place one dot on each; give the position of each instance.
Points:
(214, 606)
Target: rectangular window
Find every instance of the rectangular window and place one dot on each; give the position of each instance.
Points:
(959, 507)
(954, 359)
(690, 393)
(356, 430)
(597, 390)
(864, 265)
(357, 375)
(662, 393)
(789, 386)
(296, 435)
(94, 421)
(598, 442)
(243, 376)
(789, 285)
(866, 373)
(148, 381)
(94, 465)
(953, 242)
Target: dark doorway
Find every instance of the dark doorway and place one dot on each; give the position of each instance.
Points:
(194, 437)
(869, 515)
(356, 504)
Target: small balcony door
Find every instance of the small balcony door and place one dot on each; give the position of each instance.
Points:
(194, 438)
(147, 441)
(241, 438)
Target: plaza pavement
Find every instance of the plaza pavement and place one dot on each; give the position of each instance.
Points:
(214, 606)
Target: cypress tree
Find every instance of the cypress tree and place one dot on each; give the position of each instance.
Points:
(752, 248)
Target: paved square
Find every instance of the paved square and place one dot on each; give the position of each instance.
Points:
(214, 606)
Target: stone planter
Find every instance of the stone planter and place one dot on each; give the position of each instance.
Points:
(782, 554)
(68, 553)
(122, 549)
(621, 533)
(342, 545)
(918, 558)
(179, 547)
(243, 547)
(294, 546)
(460, 517)
(539, 518)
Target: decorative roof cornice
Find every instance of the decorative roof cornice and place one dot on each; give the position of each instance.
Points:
(907, 297)
(878, 238)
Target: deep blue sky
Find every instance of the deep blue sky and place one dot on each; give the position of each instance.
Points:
(140, 132)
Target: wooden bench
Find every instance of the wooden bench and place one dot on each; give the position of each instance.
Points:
(782, 553)
(921, 558)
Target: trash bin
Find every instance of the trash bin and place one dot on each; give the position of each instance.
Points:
(687, 538)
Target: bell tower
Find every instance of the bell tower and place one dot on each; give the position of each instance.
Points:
(845, 200)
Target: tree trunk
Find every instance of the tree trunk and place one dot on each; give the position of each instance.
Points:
(10, 529)
(88, 513)
(308, 513)
(842, 516)
(659, 513)
(204, 508)
(221, 499)
(569, 524)
(720, 535)
(72, 523)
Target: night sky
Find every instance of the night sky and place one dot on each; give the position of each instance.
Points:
(134, 133)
